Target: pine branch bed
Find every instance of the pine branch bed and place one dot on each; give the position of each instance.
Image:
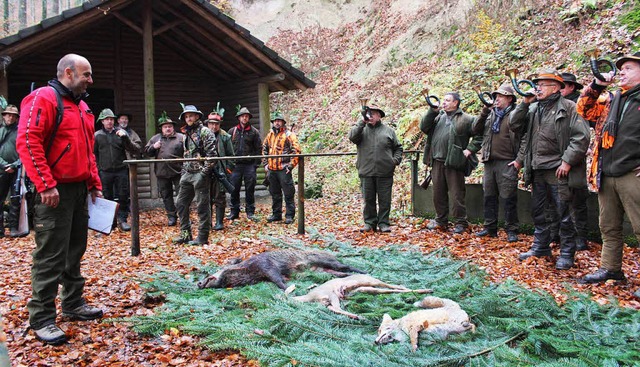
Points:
(515, 326)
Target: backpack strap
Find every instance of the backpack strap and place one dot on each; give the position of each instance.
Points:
(59, 115)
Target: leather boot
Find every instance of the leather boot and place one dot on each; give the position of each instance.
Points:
(124, 226)
(200, 241)
(172, 220)
(233, 214)
(219, 215)
(536, 250)
(183, 237)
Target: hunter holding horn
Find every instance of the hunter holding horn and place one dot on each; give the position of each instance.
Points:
(557, 139)
(379, 152)
(617, 165)
(499, 150)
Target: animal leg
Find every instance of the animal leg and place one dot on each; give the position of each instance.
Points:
(277, 278)
(374, 290)
(338, 266)
(414, 331)
(334, 306)
(338, 274)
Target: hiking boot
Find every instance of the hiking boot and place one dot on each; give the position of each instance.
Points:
(602, 275)
(384, 228)
(366, 228)
(198, 242)
(487, 233)
(581, 244)
(288, 220)
(535, 252)
(459, 229)
(512, 237)
(434, 225)
(564, 262)
(252, 217)
(123, 225)
(84, 313)
(184, 237)
(172, 221)
(273, 218)
(51, 334)
(233, 215)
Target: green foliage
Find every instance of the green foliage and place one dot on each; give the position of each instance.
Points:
(515, 326)
(631, 19)
(3, 103)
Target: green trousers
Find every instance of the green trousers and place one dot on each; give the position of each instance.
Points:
(379, 188)
(61, 241)
(617, 196)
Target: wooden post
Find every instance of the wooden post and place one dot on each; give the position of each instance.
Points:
(4, 85)
(414, 181)
(301, 195)
(263, 106)
(135, 210)
(147, 57)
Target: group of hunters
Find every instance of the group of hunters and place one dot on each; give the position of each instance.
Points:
(547, 134)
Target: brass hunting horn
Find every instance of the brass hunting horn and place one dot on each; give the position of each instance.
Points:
(485, 97)
(595, 63)
(428, 98)
(512, 74)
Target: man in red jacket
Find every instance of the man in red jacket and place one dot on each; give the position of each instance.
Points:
(58, 157)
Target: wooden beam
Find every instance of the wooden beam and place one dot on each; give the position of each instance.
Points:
(126, 21)
(171, 43)
(147, 62)
(206, 52)
(166, 27)
(220, 44)
(263, 107)
(59, 32)
(240, 40)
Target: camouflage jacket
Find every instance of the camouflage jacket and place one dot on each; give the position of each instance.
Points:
(199, 141)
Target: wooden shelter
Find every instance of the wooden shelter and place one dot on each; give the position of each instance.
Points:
(149, 55)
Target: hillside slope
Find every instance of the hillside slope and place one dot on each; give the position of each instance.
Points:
(390, 49)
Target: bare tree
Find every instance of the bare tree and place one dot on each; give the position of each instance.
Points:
(22, 14)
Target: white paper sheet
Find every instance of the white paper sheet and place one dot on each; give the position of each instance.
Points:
(101, 214)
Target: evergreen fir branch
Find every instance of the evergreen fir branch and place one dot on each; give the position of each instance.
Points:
(515, 326)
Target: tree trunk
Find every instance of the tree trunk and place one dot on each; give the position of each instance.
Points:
(5, 18)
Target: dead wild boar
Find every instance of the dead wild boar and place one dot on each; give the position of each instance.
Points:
(274, 266)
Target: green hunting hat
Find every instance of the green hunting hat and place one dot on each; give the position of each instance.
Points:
(106, 113)
(164, 119)
(549, 74)
(635, 57)
(377, 108)
(505, 89)
(278, 116)
(571, 78)
(12, 109)
(244, 111)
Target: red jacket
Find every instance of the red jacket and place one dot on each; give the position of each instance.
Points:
(71, 156)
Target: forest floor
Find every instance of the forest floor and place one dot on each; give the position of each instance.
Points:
(112, 280)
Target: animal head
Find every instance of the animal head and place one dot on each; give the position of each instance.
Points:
(218, 279)
(390, 331)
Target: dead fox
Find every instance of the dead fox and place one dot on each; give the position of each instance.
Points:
(444, 316)
(331, 292)
(274, 266)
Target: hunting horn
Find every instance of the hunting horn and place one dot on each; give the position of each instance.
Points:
(595, 63)
(483, 96)
(512, 74)
(428, 98)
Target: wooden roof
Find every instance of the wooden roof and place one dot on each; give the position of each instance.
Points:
(219, 45)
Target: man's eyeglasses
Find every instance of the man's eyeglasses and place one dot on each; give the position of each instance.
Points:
(544, 85)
